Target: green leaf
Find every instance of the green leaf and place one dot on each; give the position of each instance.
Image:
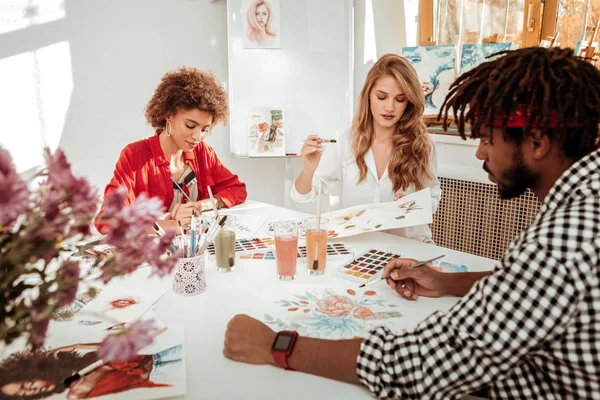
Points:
(358, 214)
(377, 226)
(350, 227)
(300, 297)
(268, 317)
(400, 217)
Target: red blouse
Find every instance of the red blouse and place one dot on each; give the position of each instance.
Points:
(143, 168)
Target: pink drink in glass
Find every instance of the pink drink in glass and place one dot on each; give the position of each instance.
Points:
(286, 248)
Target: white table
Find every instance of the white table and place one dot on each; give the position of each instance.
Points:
(211, 376)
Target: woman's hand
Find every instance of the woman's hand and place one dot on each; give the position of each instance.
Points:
(184, 212)
(311, 152)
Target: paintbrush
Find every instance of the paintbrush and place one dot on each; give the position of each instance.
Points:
(98, 364)
(181, 190)
(411, 267)
(212, 234)
(213, 201)
(315, 265)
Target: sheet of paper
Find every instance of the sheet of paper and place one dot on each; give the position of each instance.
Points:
(121, 303)
(411, 210)
(157, 372)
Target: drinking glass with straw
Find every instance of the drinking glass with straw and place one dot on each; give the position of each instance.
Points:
(316, 240)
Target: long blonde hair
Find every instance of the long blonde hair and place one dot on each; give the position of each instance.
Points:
(409, 162)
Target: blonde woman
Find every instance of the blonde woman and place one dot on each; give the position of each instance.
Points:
(385, 155)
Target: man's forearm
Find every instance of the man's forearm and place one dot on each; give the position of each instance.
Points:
(462, 282)
(333, 359)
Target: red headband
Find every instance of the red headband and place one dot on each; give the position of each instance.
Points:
(517, 119)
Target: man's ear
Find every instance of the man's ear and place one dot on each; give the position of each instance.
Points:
(537, 144)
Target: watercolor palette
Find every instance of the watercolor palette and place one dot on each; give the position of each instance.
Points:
(364, 268)
(247, 246)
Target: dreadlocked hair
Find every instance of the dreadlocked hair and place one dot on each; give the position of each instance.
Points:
(543, 81)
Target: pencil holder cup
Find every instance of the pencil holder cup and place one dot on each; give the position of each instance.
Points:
(188, 276)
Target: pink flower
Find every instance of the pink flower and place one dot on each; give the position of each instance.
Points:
(125, 344)
(69, 272)
(335, 306)
(14, 195)
(129, 223)
(38, 332)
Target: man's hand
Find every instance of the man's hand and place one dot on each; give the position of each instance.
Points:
(248, 340)
(412, 283)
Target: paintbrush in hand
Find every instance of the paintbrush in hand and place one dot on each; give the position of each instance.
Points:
(411, 267)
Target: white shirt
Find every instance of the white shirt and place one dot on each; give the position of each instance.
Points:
(339, 173)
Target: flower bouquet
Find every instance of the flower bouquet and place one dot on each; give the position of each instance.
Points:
(40, 227)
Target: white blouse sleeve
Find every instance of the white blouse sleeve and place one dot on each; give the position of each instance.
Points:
(327, 174)
(434, 183)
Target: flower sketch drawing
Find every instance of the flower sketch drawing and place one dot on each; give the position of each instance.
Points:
(330, 314)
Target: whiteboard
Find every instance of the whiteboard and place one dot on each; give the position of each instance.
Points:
(310, 75)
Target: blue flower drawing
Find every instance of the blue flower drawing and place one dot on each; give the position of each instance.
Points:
(435, 66)
(475, 54)
(324, 313)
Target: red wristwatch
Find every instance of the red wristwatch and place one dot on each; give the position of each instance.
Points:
(282, 348)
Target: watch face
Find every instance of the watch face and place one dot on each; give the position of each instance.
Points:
(283, 341)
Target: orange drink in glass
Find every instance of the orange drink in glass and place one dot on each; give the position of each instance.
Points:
(316, 245)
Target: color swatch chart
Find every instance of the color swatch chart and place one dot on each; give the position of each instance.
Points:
(247, 246)
(365, 267)
(334, 251)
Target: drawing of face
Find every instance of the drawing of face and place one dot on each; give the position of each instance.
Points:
(122, 303)
(188, 128)
(427, 88)
(262, 15)
(28, 388)
(387, 101)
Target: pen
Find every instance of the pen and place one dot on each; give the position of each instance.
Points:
(411, 267)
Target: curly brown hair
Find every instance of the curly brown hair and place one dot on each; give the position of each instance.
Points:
(187, 88)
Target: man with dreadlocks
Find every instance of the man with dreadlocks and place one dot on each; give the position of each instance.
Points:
(531, 327)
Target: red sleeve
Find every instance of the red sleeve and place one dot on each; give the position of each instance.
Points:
(123, 176)
(227, 186)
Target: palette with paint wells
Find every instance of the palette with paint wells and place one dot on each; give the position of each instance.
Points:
(247, 246)
(365, 267)
(335, 251)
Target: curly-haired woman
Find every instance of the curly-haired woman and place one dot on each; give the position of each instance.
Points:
(387, 153)
(175, 165)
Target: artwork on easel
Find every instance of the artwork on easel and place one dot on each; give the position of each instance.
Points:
(332, 313)
(157, 372)
(435, 66)
(266, 132)
(261, 24)
(411, 210)
(475, 54)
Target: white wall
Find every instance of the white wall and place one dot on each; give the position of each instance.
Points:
(80, 75)
(117, 52)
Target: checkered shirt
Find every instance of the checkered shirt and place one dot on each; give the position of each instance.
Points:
(530, 330)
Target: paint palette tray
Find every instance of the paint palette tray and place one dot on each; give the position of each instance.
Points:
(365, 267)
(246, 246)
